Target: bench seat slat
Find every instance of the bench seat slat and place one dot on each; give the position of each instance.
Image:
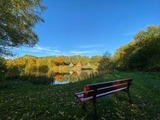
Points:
(105, 89)
(80, 95)
(104, 84)
(110, 92)
(112, 86)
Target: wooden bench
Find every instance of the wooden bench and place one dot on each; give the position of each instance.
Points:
(97, 90)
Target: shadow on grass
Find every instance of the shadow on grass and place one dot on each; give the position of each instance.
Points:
(32, 101)
(19, 82)
(37, 80)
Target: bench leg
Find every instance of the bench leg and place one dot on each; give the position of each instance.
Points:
(84, 106)
(95, 110)
(130, 101)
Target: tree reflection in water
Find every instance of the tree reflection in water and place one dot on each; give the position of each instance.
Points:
(71, 76)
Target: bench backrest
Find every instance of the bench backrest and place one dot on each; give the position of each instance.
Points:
(101, 89)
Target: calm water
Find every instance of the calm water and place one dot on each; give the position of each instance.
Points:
(71, 76)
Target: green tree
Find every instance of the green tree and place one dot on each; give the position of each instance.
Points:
(142, 53)
(94, 60)
(13, 71)
(43, 69)
(2, 68)
(17, 18)
(33, 69)
(105, 63)
(122, 57)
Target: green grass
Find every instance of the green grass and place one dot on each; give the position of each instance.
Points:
(23, 100)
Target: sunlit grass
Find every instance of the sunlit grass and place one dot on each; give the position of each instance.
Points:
(23, 100)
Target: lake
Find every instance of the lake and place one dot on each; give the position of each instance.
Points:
(71, 76)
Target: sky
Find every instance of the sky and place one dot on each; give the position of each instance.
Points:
(90, 27)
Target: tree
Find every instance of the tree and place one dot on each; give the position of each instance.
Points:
(94, 60)
(2, 68)
(17, 18)
(33, 69)
(58, 61)
(13, 71)
(142, 53)
(105, 62)
(29, 67)
(43, 69)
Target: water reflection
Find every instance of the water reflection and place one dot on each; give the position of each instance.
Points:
(57, 82)
(71, 76)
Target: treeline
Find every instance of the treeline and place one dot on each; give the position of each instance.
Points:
(38, 66)
(142, 53)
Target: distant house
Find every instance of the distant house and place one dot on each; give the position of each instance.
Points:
(71, 72)
(79, 64)
(88, 65)
(78, 72)
(88, 72)
(71, 65)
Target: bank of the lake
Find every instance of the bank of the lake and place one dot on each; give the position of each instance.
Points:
(24, 100)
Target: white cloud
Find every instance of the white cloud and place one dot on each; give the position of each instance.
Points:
(48, 51)
(129, 34)
(57, 51)
(82, 52)
(92, 46)
(44, 49)
(38, 49)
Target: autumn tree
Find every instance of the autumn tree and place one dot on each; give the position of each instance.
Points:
(43, 69)
(58, 61)
(58, 77)
(17, 18)
(30, 68)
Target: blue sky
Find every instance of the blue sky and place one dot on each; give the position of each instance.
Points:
(90, 27)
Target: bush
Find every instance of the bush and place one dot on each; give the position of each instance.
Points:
(39, 80)
(3, 85)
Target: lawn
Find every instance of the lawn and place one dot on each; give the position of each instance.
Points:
(21, 99)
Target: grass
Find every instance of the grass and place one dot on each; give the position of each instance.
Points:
(24, 100)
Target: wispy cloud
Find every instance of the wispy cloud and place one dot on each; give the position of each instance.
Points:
(38, 49)
(45, 51)
(92, 46)
(129, 34)
(82, 52)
